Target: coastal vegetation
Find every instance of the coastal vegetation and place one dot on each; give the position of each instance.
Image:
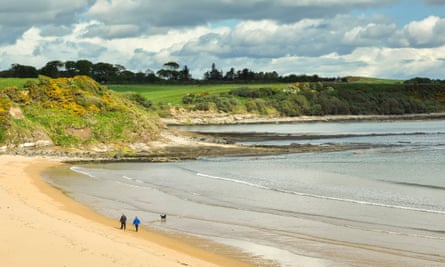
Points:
(71, 110)
(376, 97)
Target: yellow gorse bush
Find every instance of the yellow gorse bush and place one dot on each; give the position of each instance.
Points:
(79, 95)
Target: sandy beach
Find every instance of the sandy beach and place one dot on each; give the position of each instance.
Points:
(43, 227)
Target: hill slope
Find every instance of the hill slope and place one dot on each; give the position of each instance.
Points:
(359, 96)
(72, 113)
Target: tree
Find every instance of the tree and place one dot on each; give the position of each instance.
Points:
(84, 67)
(418, 80)
(126, 76)
(22, 71)
(70, 69)
(170, 72)
(104, 72)
(52, 69)
(246, 75)
(230, 75)
(150, 76)
(214, 74)
(164, 74)
(171, 65)
(184, 74)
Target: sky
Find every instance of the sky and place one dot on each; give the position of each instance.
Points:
(395, 39)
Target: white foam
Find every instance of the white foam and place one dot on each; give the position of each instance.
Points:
(281, 256)
(82, 171)
(233, 180)
(133, 179)
(360, 202)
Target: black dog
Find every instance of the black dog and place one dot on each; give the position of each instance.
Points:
(163, 217)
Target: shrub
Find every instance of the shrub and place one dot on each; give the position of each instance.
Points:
(141, 100)
(245, 92)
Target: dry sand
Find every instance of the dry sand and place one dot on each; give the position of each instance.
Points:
(40, 226)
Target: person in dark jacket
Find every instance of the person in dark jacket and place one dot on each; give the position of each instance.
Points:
(136, 223)
(123, 221)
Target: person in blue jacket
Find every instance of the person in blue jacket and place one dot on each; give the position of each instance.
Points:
(136, 223)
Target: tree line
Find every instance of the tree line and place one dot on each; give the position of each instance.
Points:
(171, 72)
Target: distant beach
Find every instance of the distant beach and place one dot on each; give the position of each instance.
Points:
(208, 118)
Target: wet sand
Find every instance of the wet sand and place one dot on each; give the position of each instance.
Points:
(43, 227)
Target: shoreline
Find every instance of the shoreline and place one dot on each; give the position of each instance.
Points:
(190, 119)
(52, 229)
(78, 218)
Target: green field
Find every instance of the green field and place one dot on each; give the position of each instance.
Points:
(173, 94)
(19, 82)
(160, 93)
(368, 80)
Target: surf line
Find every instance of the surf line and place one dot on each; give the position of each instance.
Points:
(81, 171)
(322, 197)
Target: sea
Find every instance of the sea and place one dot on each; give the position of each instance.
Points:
(383, 205)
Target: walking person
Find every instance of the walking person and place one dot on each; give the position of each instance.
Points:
(123, 221)
(136, 223)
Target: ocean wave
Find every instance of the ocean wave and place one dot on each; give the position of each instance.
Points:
(133, 179)
(82, 171)
(362, 202)
(233, 180)
(437, 187)
(348, 200)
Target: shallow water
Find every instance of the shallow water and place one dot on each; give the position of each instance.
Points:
(388, 202)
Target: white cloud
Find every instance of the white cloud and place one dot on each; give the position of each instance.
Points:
(426, 33)
(18, 16)
(398, 62)
(371, 33)
(312, 37)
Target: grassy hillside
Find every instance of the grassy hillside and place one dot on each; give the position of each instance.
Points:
(359, 96)
(71, 112)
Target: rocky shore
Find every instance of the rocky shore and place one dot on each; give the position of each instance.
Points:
(180, 146)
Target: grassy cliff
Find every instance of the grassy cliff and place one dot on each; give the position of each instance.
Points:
(72, 112)
(358, 96)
